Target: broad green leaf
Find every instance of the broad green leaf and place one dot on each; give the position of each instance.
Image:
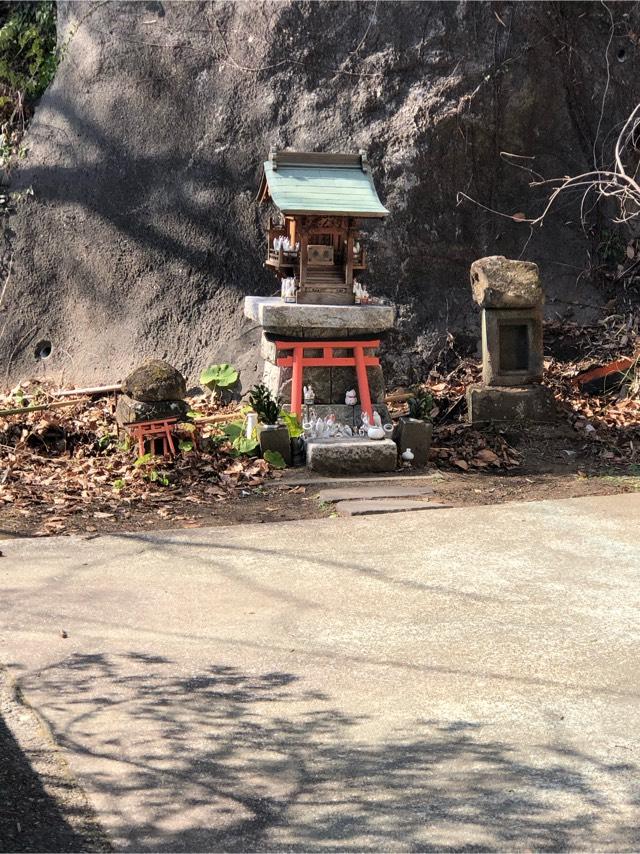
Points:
(244, 445)
(275, 459)
(293, 425)
(218, 376)
(233, 429)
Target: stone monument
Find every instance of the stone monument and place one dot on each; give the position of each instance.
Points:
(154, 390)
(511, 299)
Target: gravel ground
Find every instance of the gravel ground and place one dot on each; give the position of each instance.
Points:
(41, 806)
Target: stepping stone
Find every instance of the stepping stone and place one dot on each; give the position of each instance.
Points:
(297, 477)
(383, 491)
(369, 508)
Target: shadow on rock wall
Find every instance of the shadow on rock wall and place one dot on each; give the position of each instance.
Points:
(142, 235)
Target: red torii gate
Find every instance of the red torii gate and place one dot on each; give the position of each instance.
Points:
(298, 361)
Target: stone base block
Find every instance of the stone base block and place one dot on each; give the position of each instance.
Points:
(275, 438)
(528, 403)
(351, 456)
(128, 409)
(415, 434)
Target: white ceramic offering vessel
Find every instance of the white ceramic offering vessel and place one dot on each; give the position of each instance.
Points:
(376, 433)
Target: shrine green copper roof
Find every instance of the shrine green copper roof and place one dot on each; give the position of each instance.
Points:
(314, 183)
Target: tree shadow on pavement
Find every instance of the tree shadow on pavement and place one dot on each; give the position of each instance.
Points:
(31, 819)
(228, 760)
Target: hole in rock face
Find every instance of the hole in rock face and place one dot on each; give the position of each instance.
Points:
(43, 350)
(514, 347)
(622, 55)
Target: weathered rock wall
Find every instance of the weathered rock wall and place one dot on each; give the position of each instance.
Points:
(143, 236)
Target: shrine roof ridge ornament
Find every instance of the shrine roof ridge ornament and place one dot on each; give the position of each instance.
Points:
(314, 182)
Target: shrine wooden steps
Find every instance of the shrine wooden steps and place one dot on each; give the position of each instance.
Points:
(325, 284)
(325, 275)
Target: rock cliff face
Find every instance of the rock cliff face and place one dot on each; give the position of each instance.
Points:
(142, 235)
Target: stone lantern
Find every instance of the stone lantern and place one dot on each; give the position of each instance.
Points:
(511, 298)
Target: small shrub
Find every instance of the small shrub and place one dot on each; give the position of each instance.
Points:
(235, 433)
(420, 406)
(264, 404)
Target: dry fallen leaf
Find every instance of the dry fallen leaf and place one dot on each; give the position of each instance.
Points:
(462, 464)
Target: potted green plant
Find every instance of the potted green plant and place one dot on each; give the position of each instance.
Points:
(416, 429)
(272, 435)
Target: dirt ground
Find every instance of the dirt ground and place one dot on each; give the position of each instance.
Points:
(556, 463)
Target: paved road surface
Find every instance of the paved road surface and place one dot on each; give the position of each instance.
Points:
(437, 680)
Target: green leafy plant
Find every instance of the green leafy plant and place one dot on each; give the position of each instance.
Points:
(243, 446)
(235, 432)
(293, 424)
(264, 404)
(29, 57)
(216, 377)
(118, 484)
(275, 459)
(156, 476)
(420, 406)
(185, 445)
(143, 460)
(146, 465)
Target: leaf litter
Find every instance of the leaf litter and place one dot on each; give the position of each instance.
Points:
(65, 464)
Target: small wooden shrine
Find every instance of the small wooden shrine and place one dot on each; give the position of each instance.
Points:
(315, 244)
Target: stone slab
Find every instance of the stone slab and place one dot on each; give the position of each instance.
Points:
(371, 508)
(275, 439)
(351, 415)
(291, 478)
(361, 493)
(529, 403)
(351, 456)
(288, 318)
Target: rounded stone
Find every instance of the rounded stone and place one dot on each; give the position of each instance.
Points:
(155, 380)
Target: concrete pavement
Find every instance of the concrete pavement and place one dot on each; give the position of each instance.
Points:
(428, 681)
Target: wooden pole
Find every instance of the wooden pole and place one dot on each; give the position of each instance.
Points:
(349, 265)
(58, 404)
(98, 389)
(304, 255)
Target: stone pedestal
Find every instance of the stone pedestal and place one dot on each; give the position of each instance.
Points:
(511, 299)
(289, 321)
